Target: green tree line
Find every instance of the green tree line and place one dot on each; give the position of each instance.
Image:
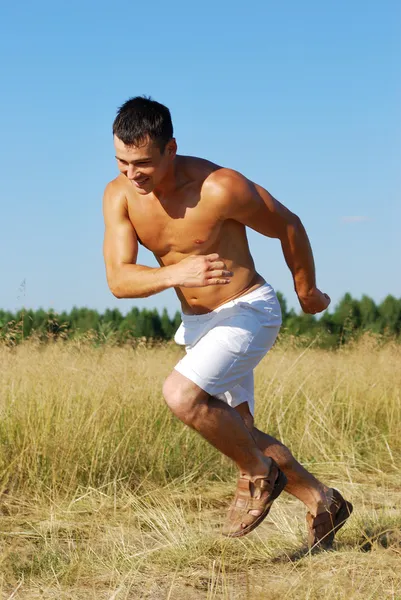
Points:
(349, 318)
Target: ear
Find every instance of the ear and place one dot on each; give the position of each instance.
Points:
(172, 148)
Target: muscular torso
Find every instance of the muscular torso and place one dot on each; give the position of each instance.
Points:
(190, 223)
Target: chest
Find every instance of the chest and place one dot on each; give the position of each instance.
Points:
(191, 230)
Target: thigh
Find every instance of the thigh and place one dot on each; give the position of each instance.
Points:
(246, 414)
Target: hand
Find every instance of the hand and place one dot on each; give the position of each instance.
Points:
(314, 301)
(200, 271)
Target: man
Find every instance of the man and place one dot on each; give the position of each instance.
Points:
(192, 214)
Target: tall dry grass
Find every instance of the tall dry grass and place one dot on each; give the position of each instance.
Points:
(106, 495)
(73, 415)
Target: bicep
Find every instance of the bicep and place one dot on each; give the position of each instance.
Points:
(120, 240)
(256, 208)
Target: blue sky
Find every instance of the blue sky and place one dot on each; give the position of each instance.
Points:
(302, 97)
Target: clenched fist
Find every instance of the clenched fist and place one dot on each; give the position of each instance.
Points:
(314, 301)
(200, 271)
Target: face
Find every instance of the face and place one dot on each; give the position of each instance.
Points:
(144, 165)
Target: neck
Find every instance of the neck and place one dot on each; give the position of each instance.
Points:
(169, 183)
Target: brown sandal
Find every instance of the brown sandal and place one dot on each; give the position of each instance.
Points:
(325, 525)
(257, 494)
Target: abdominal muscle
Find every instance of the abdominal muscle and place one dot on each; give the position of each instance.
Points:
(202, 300)
(232, 247)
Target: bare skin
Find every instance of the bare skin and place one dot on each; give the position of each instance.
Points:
(192, 214)
(301, 484)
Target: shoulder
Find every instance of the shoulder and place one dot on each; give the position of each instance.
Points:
(214, 178)
(115, 192)
(227, 181)
(228, 188)
(195, 168)
(115, 203)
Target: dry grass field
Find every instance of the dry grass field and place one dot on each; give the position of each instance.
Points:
(105, 495)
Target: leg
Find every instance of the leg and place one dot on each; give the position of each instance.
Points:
(219, 353)
(328, 510)
(301, 484)
(261, 480)
(217, 422)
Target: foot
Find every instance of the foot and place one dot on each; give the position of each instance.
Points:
(328, 520)
(253, 501)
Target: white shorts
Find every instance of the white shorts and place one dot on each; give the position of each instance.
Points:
(225, 345)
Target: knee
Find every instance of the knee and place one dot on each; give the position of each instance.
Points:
(178, 401)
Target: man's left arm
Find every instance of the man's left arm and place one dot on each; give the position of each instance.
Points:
(252, 205)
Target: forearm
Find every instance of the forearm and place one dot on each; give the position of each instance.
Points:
(138, 281)
(299, 258)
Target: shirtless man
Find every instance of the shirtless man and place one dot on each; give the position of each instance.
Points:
(192, 214)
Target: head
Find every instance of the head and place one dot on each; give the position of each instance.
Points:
(144, 142)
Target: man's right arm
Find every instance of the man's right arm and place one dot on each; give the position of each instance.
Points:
(126, 279)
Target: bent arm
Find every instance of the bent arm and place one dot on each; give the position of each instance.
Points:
(273, 219)
(125, 278)
(253, 206)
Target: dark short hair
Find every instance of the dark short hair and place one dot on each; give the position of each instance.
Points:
(142, 117)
